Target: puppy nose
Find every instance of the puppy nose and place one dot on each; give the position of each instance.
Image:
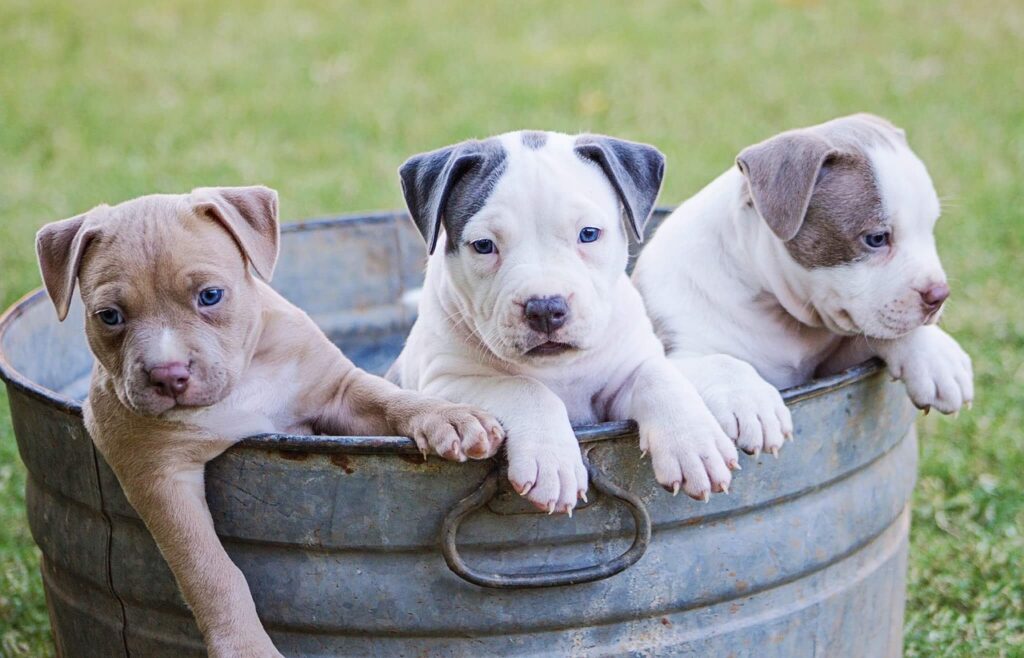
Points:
(170, 379)
(546, 314)
(934, 295)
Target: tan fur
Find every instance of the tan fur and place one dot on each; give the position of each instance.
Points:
(256, 362)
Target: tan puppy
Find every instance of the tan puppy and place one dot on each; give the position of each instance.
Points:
(193, 353)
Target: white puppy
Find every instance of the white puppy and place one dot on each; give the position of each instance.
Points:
(814, 253)
(527, 310)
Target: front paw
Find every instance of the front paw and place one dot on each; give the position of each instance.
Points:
(751, 412)
(936, 371)
(455, 431)
(689, 451)
(550, 474)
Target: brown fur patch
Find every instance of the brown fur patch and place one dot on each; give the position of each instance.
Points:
(845, 204)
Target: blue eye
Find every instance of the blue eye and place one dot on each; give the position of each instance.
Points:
(877, 240)
(483, 246)
(211, 296)
(590, 234)
(111, 317)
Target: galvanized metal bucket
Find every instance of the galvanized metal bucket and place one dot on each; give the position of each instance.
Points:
(356, 546)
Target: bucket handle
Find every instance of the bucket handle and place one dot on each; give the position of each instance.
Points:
(576, 576)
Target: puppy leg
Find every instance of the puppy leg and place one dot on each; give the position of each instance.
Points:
(688, 448)
(365, 405)
(748, 408)
(935, 369)
(169, 495)
(544, 462)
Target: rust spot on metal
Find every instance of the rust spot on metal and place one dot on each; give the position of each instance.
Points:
(665, 621)
(341, 461)
(416, 460)
(293, 455)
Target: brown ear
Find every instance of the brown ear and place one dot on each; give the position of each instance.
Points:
(59, 248)
(781, 173)
(249, 214)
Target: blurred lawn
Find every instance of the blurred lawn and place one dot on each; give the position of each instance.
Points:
(100, 102)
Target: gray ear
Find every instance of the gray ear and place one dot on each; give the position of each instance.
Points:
(781, 173)
(59, 248)
(635, 171)
(428, 180)
(249, 214)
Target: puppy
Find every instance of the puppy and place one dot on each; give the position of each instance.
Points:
(527, 311)
(193, 352)
(814, 253)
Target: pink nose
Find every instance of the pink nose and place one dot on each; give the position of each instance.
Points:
(170, 379)
(934, 295)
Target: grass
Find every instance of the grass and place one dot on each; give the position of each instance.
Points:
(105, 101)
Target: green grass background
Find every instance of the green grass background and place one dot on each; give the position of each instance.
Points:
(102, 101)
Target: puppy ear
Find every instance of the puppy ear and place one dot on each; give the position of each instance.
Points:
(781, 173)
(428, 180)
(249, 214)
(635, 171)
(59, 248)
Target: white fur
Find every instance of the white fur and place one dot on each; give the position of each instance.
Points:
(742, 318)
(470, 340)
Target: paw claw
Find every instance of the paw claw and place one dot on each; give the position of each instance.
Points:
(525, 490)
(569, 512)
(706, 496)
(551, 508)
(774, 450)
(583, 496)
(675, 487)
(725, 488)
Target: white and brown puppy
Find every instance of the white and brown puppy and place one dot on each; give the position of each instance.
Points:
(193, 352)
(814, 253)
(527, 310)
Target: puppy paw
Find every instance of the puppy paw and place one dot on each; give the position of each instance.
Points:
(550, 474)
(750, 411)
(936, 371)
(455, 431)
(690, 453)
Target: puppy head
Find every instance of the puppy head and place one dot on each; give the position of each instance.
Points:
(170, 305)
(533, 233)
(855, 209)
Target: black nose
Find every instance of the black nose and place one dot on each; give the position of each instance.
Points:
(546, 314)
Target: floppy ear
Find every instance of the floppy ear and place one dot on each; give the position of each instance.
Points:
(59, 248)
(781, 173)
(427, 182)
(249, 214)
(635, 171)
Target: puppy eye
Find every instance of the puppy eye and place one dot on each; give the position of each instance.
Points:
(211, 296)
(877, 240)
(590, 234)
(483, 246)
(110, 317)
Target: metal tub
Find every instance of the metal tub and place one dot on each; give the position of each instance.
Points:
(340, 538)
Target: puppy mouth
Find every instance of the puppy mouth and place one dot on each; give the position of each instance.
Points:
(549, 348)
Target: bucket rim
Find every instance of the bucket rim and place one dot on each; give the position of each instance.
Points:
(371, 444)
